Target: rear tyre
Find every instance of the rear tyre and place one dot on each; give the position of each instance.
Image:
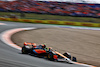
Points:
(24, 50)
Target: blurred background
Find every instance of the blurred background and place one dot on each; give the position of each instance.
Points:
(66, 10)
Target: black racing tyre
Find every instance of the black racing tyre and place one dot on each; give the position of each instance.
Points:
(68, 56)
(50, 56)
(24, 50)
(74, 59)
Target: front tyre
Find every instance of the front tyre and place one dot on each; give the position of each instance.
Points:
(74, 59)
(50, 56)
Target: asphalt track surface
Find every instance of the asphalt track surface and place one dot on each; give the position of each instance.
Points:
(11, 57)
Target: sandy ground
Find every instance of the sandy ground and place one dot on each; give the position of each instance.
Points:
(83, 44)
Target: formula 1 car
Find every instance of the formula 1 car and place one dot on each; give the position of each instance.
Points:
(38, 50)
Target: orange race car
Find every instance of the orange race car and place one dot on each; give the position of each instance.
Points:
(43, 51)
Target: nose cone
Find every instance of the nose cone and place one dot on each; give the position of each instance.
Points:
(69, 61)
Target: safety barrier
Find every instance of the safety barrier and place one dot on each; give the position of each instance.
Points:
(53, 22)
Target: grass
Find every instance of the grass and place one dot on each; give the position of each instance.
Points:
(52, 17)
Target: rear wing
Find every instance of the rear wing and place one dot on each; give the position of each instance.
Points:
(28, 44)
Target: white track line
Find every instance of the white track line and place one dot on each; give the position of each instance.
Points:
(76, 27)
(2, 24)
(6, 38)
